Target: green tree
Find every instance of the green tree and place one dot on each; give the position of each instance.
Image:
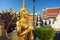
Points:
(54, 19)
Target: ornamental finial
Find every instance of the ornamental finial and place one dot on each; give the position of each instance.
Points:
(24, 3)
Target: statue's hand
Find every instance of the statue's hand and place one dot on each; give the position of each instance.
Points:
(18, 33)
(31, 28)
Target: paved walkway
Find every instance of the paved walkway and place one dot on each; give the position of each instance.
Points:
(12, 35)
(57, 36)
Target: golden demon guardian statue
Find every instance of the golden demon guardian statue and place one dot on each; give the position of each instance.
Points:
(24, 28)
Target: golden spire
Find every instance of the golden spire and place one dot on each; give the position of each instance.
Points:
(24, 3)
(24, 10)
(11, 11)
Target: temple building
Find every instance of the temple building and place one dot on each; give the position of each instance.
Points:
(30, 18)
(49, 14)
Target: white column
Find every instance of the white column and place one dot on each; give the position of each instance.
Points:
(35, 22)
(43, 22)
(47, 22)
(51, 21)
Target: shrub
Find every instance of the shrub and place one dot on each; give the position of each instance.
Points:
(45, 33)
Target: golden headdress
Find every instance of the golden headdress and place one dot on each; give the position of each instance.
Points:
(24, 11)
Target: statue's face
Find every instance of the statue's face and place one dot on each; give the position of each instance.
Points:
(26, 16)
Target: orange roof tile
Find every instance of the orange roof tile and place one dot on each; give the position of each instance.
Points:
(44, 13)
(53, 10)
(51, 13)
(31, 17)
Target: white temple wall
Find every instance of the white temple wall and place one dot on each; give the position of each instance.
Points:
(47, 22)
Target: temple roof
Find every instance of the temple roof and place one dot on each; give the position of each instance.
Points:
(51, 13)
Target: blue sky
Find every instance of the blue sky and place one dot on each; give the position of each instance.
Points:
(39, 5)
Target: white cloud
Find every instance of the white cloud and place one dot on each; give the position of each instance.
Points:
(32, 14)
